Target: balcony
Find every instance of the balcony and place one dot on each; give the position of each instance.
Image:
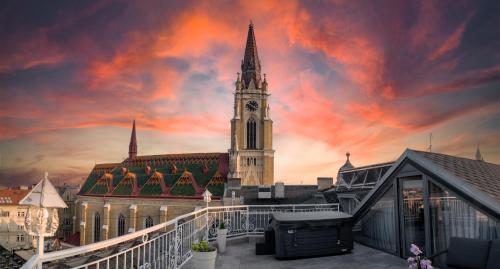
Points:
(168, 245)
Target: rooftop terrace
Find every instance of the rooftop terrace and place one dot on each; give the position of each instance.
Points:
(240, 254)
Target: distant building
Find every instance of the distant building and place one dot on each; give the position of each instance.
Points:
(142, 191)
(67, 216)
(12, 233)
(281, 193)
(354, 183)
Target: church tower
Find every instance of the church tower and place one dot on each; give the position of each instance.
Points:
(251, 154)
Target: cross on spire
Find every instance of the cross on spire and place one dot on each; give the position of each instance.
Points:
(132, 148)
(250, 66)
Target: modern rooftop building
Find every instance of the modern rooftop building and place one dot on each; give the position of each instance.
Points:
(426, 198)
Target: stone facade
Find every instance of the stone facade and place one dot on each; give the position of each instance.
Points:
(134, 214)
(12, 233)
(251, 152)
(67, 216)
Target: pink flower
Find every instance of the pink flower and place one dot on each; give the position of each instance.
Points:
(426, 264)
(415, 250)
(410, 260)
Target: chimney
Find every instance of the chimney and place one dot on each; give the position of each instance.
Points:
(324, 183)
(279, 190)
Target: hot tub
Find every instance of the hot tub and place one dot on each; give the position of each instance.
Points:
(310, 234)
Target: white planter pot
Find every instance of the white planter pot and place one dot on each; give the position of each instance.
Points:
(204, 260)
(221, 240)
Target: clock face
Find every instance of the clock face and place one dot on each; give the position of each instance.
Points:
(252, 106)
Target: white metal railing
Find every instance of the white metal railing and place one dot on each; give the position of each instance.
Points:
(168, 244)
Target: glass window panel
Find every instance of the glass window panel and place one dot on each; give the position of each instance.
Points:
(377, 227)
(413, 214)
(359, 178)
(451, 216)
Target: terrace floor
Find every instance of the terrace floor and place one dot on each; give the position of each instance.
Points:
(241, 255)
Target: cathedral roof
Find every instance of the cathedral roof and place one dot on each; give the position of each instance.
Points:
(169, 175)
(250, 66)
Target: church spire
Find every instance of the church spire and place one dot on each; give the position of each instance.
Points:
(479, 157)
(250, 66)
(132, 148)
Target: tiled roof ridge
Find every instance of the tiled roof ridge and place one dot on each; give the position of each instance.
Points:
(164, 188)
(126, 179)
(453, 156)
(367, 166)
(105, 165)
(215, 179)
(176, 155)
(106, 179)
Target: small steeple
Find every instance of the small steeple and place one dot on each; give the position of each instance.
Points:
(250, 66)
(132, 148)
(479, 157)
(347, 164)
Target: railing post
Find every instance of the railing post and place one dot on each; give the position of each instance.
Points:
(246, 221)
(176, 243)
(206, 221)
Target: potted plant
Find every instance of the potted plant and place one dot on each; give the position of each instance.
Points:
(221, 237)
(419, 261)
(203, 255)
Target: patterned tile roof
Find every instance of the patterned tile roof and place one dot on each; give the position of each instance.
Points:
(12, 196)
(169, 175)
(482, 175)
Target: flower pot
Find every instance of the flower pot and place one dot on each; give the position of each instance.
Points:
(204, 260)
(221, 240)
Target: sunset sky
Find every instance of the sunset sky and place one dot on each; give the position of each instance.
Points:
(369, 77)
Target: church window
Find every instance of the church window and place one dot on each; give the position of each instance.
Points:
(254, 161)
(121, 225)
(248, 161)
(251, 134)
(148, 222)
(97, 227)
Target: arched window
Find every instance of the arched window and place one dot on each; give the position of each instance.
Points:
(148, 222)
(97, 227)
(121, 225)
(254, 161)
(248, 161)
(251, 134)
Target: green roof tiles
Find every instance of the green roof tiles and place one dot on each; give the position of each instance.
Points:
(90, 182)
(202, 167)
(151, 189)
(184, 190)
(123, 189)
(216, 190)
(99, 189)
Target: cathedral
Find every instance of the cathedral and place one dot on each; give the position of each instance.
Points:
(251, 156)
(122, 197)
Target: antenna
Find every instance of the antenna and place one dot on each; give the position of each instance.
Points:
(430, 143)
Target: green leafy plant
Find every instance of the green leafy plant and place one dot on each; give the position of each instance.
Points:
(222, 225)
(202, 246)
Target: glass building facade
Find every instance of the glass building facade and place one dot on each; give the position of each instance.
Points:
(419, 210)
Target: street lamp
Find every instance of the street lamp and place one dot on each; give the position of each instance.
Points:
(41, 218)
(207, 197)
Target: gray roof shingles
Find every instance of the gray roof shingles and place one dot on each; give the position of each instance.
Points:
(482, 175)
